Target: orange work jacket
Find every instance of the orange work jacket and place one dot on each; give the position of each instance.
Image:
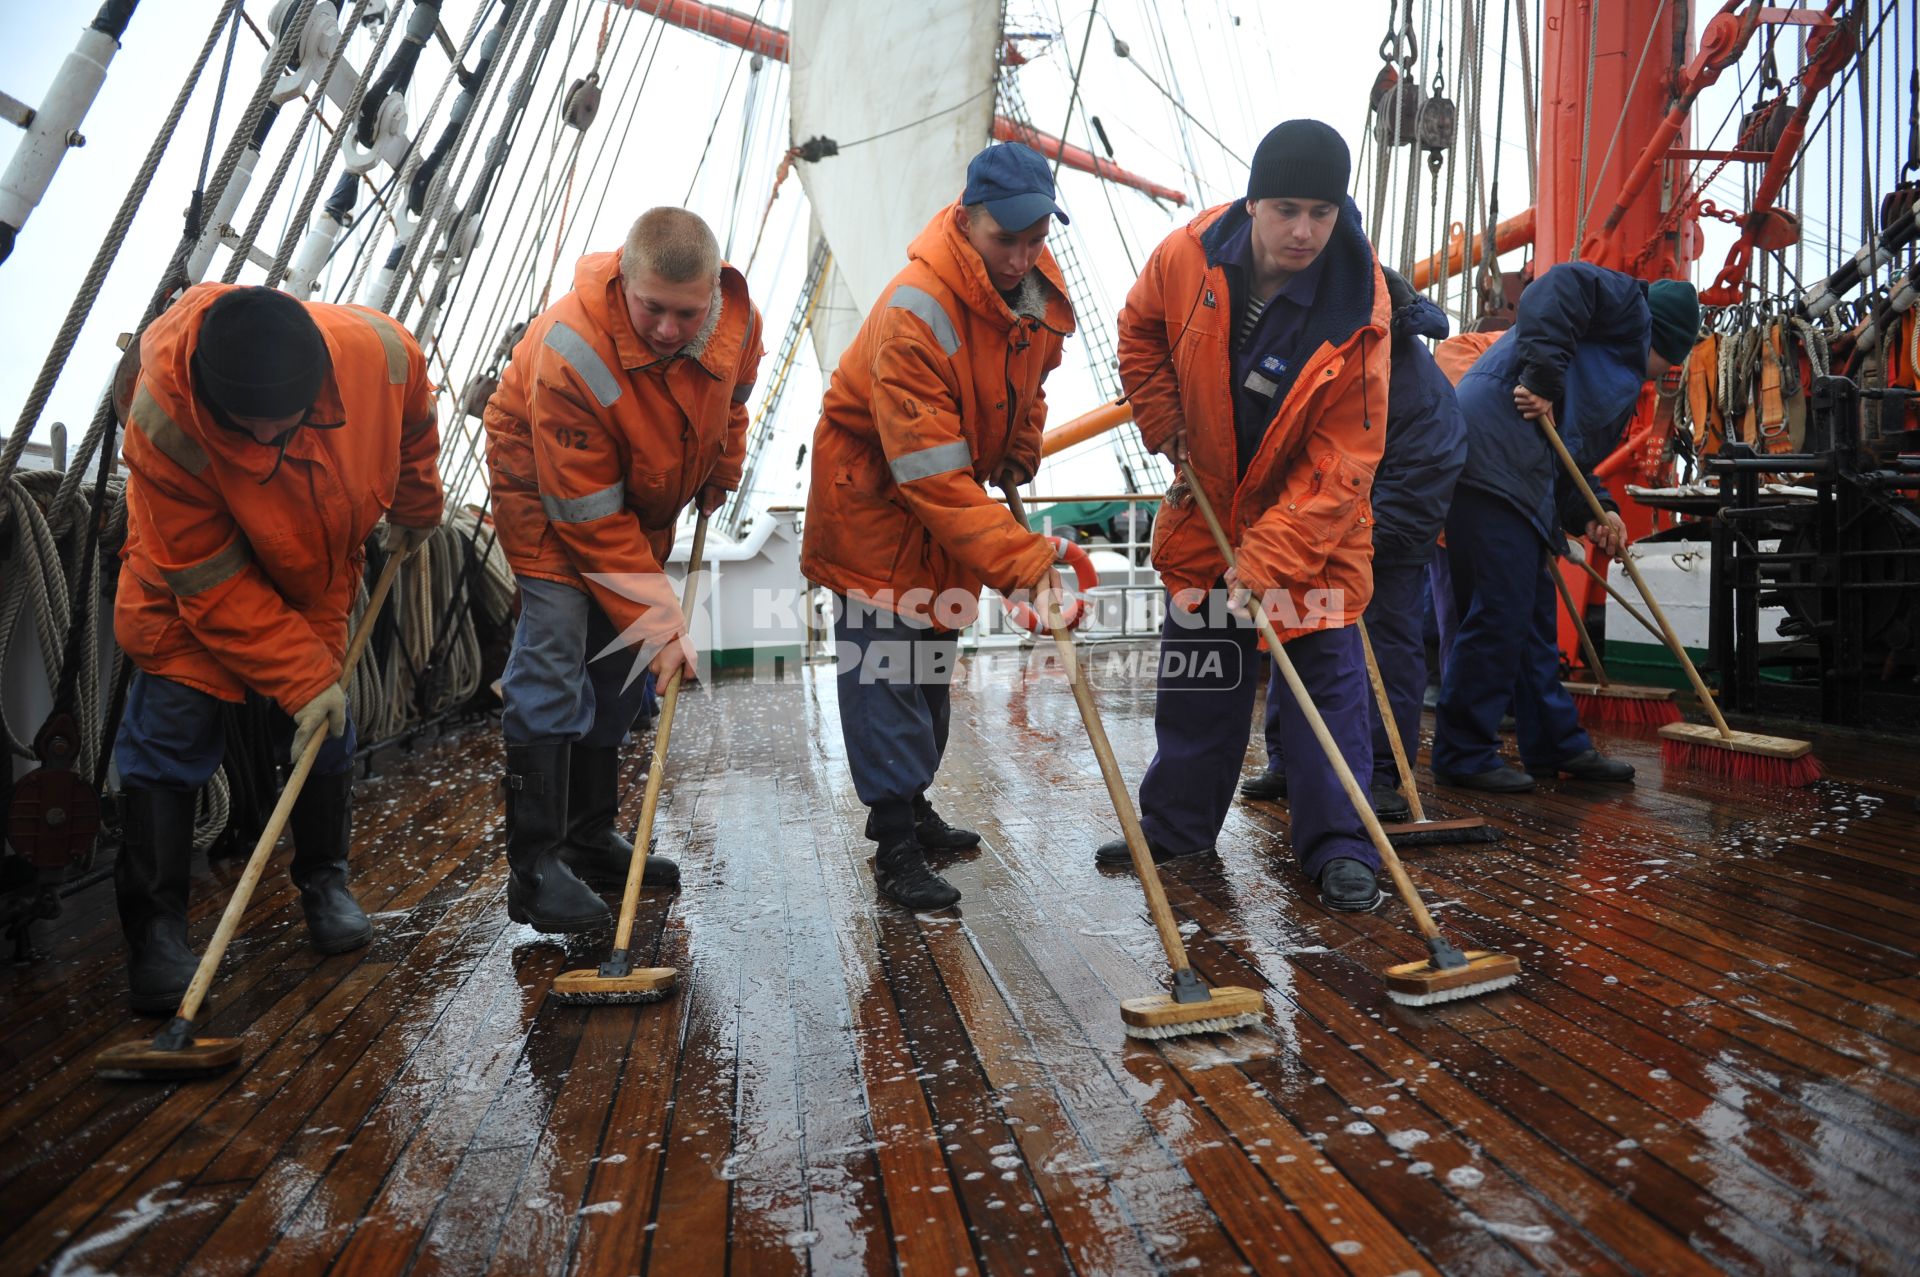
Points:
(231, 579)
(941, 388)
(1300, 517)
(1458, 354)
(596, 444)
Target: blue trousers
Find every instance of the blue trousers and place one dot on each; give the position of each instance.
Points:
(894, 680)
(1396, 624)
(1445, 618)
(172, 737)
(1210, 667)
(1505, 646)
(552, 689)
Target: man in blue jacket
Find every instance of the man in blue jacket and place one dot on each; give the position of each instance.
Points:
(1412, 490)
(1583, 342)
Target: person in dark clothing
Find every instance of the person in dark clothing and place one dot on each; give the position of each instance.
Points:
(1583, 343)
(1426, 449)
(1254, 344)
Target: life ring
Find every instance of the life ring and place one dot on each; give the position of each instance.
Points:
(1074, 610)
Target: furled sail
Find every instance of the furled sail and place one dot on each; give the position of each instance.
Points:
(904, 95)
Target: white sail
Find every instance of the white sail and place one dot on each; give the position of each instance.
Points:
(906, 91)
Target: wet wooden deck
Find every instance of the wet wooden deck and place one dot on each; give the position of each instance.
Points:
(1711, 1063)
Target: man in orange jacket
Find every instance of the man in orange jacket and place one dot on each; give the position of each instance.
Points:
(1255, 345)
(940, 393)
(266, 438)
(623, 402)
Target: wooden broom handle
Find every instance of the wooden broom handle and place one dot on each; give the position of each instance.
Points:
(1625, 603)
(1579, 625)
(282, 811)
(1362, 805)
(1408, 789)
(1143, 866)
(1626, 560)
(657, 769)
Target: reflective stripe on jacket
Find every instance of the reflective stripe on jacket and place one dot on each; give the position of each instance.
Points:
(595, 444)
(941, 387)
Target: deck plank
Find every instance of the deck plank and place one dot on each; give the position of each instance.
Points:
(1712, 1063)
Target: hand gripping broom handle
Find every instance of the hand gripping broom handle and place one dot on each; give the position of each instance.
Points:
(1579, 625)
(1143, 866)
(1362, 805)
(657, 769)
(1626, 560)
(1392, 726)
(302, 766)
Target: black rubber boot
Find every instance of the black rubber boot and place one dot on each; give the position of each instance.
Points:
(541, 890)
(322, 825)
(594, 850)
(150, 886)
(900, 866)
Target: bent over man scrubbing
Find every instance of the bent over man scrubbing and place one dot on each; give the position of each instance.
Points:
(266, 438)
(940, 392)
(1583, 342)
(624, 401)
(1426, 447)
(1255, 345)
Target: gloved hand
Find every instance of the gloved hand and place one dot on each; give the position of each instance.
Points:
(327, 710)
(406, 542)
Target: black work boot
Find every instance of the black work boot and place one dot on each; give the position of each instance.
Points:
(900, 866)
(1389, 804)
(935, 834)
(1588, 765)
(322, 825)
(594, 850)
(932, 831)
(541, 890)
(1268, 786)
(150, 886)
(1348, 886)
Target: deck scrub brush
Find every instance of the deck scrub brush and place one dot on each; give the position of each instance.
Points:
(1779, 761)
(1188, 1006)
(617, 982)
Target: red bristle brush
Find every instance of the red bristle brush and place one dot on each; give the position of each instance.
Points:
(1605, 701)
(1779, 761)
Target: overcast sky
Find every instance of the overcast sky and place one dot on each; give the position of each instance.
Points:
(705, 121)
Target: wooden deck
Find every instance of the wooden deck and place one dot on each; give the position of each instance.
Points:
(1712, 1062)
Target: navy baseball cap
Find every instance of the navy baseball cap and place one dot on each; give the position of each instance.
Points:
(1015, 184)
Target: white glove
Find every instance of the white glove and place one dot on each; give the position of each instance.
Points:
(328, 710)
(406, 542)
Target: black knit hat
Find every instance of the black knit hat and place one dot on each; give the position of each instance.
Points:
(1676, 318)
(260, 354)
(1301, 159)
